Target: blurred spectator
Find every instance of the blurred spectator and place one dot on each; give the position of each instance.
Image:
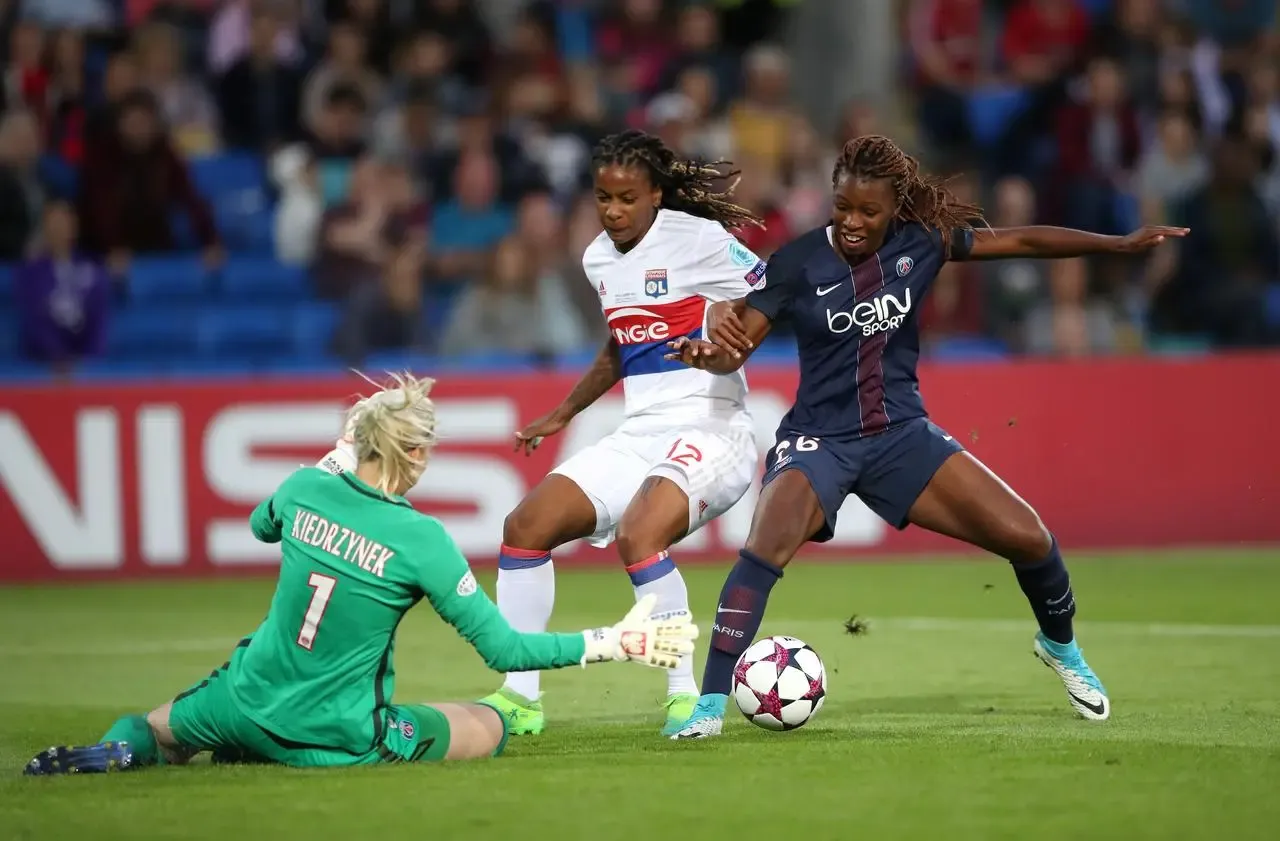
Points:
(698, 40)
(344, 65)
(1098, 145)
(133, 183)
(464, 30)
(466, 228)
(476, 132)
(373, 19)
(338, 140)
(584, 226)
(1134, 37)
(1259, 128)
(62, 296)
(1042, 44)
(260, 96)
(1043, 40)
(1171, 169)
(301, 207)
(709, 136)
(635, 48)
(523, 304)
(371, 256)
(955, 308)
(1014, 287)
(70, 14)
(408, 133)
(66, 100)
(119, 80)
(946, 46)
(1227, 259)
(808, 179)
(760, 190)
(25, 76)
(22, 191)
(231, 33)
(185, 105)
(762, 120)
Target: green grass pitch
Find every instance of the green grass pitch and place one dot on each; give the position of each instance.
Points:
(939, 723)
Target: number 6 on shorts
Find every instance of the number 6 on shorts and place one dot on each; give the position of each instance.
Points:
(804, 444)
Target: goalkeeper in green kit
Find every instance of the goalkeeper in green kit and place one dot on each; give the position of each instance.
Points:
(313, 685)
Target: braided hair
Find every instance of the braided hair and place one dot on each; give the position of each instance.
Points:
(922, 198)
(687, 186)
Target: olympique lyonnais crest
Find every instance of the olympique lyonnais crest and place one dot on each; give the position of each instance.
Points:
(655, 283)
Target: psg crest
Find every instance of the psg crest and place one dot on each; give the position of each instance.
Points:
(904, 266)
(655, 283)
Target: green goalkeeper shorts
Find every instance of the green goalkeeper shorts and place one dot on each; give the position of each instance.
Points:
(207, 717)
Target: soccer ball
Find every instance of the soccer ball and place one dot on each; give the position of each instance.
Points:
(779, 683)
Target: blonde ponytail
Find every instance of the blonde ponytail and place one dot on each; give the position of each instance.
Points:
(388, 425)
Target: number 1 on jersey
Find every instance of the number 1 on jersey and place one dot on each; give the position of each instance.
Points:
(322, 585)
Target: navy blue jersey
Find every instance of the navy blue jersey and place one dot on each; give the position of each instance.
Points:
(857, 328)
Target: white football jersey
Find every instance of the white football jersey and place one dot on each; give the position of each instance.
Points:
(659, 291)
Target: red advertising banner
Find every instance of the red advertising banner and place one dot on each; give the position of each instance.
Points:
(158, 479)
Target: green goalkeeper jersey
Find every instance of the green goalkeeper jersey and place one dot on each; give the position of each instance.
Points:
(318, 670)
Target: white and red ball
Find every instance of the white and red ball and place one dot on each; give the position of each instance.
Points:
(779, 683)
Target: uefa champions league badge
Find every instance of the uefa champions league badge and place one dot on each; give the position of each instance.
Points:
(655, 283)
(904, 266)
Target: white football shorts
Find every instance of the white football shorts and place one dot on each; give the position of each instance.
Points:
(714, 463)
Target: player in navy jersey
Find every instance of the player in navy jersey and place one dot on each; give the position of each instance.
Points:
(853, 290)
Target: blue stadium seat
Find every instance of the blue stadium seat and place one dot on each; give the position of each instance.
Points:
(61, 177)
(992, 109)
(968, 349)
(243, 332)
(123, 368)
(6, 282)
(313, 326)
(170, 278)
(249, 279)
(235, 185)
(152, 333)
(229, 172)
(1271, 304)
(18, 372)
(8, 333)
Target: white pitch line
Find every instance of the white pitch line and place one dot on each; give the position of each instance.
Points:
(926, 624)
(1024, 626)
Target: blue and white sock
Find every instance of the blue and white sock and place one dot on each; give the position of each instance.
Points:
(526, 597)
(658, 574)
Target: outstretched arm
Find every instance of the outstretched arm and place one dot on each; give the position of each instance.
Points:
(603, 375)
(1045, 241)
(734, 330)
(451, 588)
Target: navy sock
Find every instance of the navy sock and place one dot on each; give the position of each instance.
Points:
(738, 616)
(1048, 588)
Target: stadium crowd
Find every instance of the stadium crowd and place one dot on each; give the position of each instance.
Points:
(427, 161)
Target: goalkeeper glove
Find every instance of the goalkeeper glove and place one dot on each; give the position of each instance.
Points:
(641, 637)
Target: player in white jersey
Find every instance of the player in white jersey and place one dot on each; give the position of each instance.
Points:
(686, 451)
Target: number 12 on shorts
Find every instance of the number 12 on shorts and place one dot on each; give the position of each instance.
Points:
(322, 590)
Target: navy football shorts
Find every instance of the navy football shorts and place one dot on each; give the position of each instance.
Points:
(888, 471)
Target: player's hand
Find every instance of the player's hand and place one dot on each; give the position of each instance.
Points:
(531, 436)
(1148, 237)
(661, 640)
(724, 328)
(693, 352)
